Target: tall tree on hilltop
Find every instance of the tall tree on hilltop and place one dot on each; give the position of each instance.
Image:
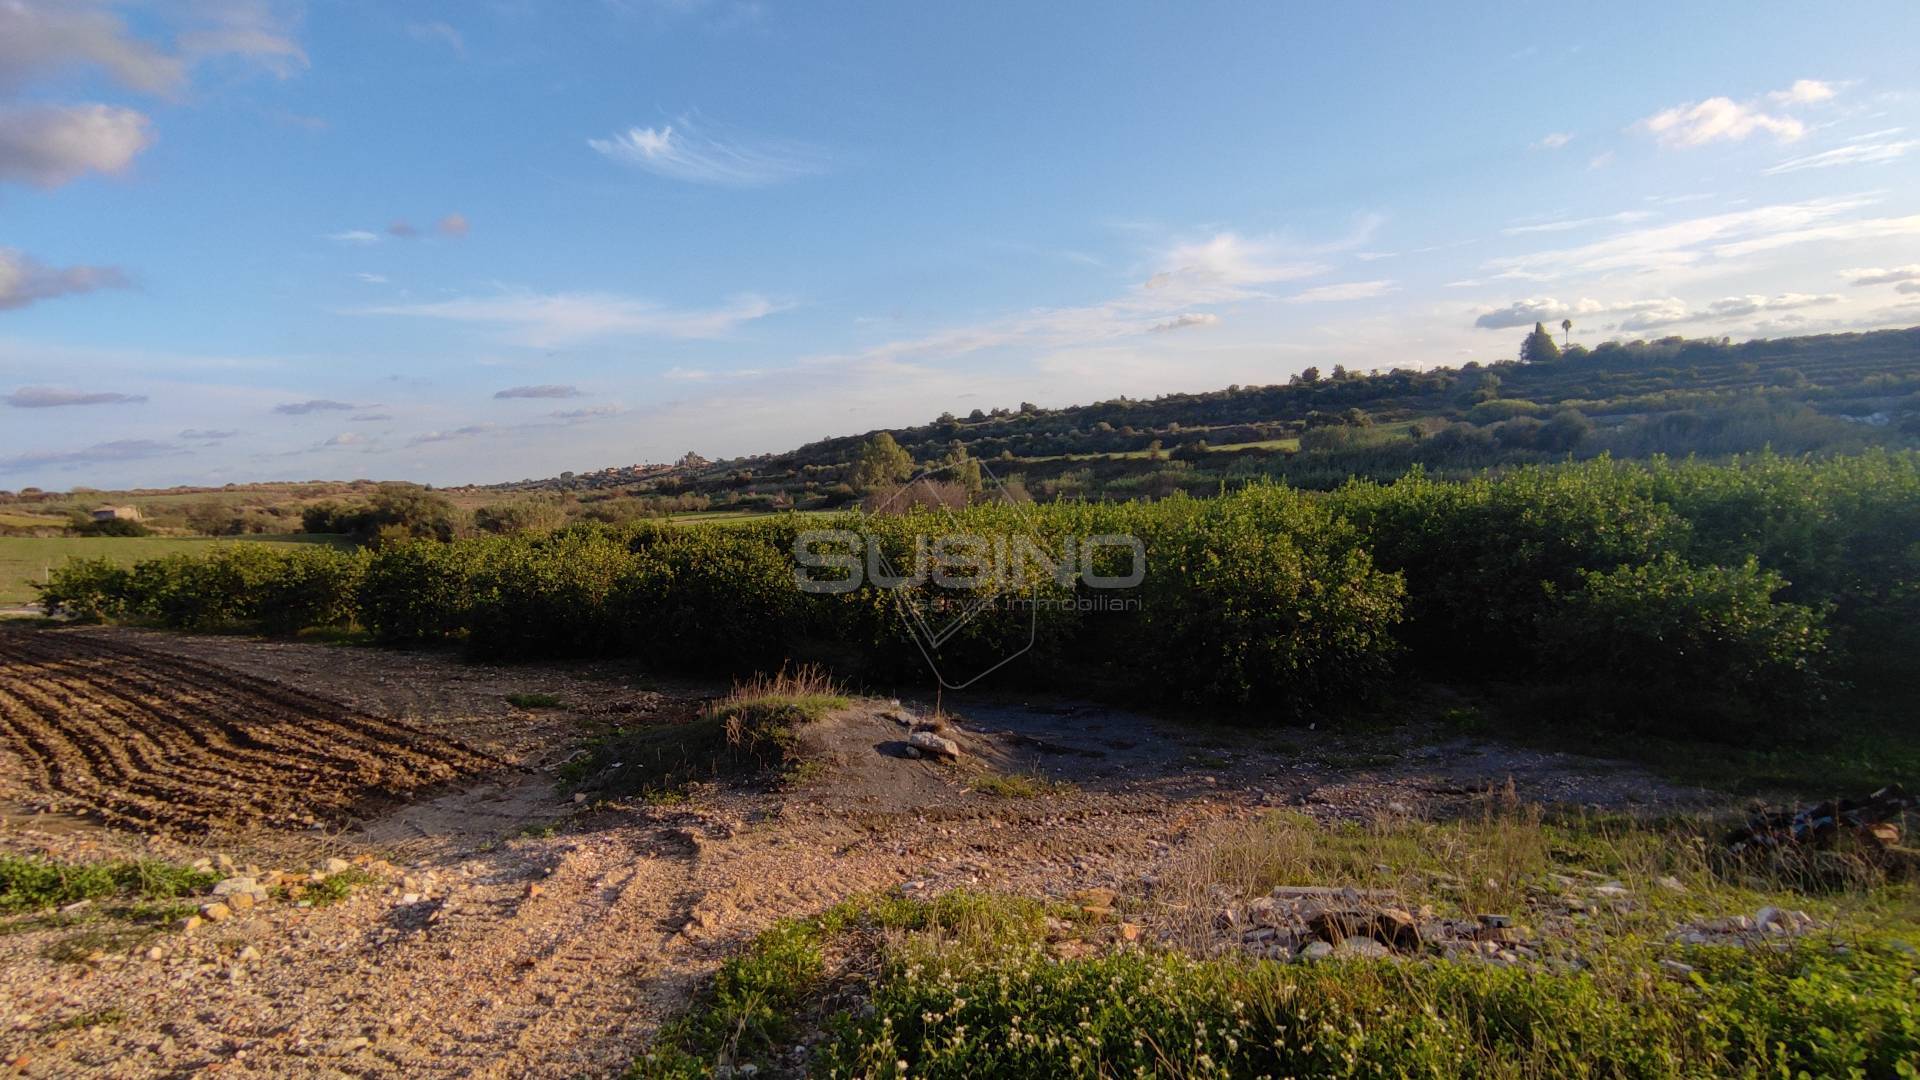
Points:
(1539, 348)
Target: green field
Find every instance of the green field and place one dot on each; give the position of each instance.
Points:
(26, 559)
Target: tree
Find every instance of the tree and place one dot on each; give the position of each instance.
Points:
(963, 471)
(1566, 328)
(882, 462)
(1539, 347)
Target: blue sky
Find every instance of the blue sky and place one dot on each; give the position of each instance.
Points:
(469, 242)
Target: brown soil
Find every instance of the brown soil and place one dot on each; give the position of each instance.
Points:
(143, 740)
(507, 951)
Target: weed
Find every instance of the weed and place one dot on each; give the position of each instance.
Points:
(535, 701)
(337, 887)
(82, 1021)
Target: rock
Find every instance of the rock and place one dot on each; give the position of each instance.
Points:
(223, 863)
(1496, 922)
(249, 954)
(338, 866)
(191, 923)
(156, 953)
(1671, 884)
(1612, 889)
(408, 899)
(1391, 927)
(912, 751)
(1676, 969)
(242, 901)
(1326, 892)
(1129, 931)
(216, 911)
(1318, 950)
(1361, 948)
(343, 1047)
(229, 886)
(938, 746)
(534, 889)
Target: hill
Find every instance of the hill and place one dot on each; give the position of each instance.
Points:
(1673, 396)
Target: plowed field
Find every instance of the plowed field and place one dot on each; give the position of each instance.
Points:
(141, 738)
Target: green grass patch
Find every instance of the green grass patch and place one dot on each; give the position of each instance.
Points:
(535, 701)
(28, 559)
(337, 887)
(30, 884)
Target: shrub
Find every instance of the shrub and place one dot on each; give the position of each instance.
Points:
(86, 589)
(1665, 642)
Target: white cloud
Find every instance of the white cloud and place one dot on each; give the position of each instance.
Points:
(1547, 309)
(1732, 307)
(1554, 140)
(1227, 266)
(1804, 92)
(24, 281)
(43, 37)
(304, 408)
(1346, 290)
(372, 279)
(1722, 119)
(1624, 217)
(354, 236)
(38, 37)
(115, 451)
(1907, 287)
(543, 320)
(454, 225)
(1879, 276)
(685, 152)
(1183, 322)
(1695, 240)
(548, 390)
(53, 397)
(1874, 149)
(439, 33)
(49, 145)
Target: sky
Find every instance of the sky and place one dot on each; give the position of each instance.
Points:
(479, 241)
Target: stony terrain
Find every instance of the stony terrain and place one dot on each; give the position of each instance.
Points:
(503, 928)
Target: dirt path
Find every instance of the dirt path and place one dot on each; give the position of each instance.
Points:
(495, 953)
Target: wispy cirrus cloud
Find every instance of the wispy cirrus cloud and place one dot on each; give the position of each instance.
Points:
(53, 397)
(1341, 291)
(1698, 240)
(1624, 217)
(1876, 148)
(684, 151)
(548, 319)
(24, 280)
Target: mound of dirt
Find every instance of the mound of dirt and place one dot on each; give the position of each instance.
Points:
(144, 739)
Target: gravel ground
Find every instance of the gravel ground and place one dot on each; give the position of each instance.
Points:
(510, 931)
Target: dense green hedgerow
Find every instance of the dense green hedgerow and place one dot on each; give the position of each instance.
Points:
(1741, 580)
